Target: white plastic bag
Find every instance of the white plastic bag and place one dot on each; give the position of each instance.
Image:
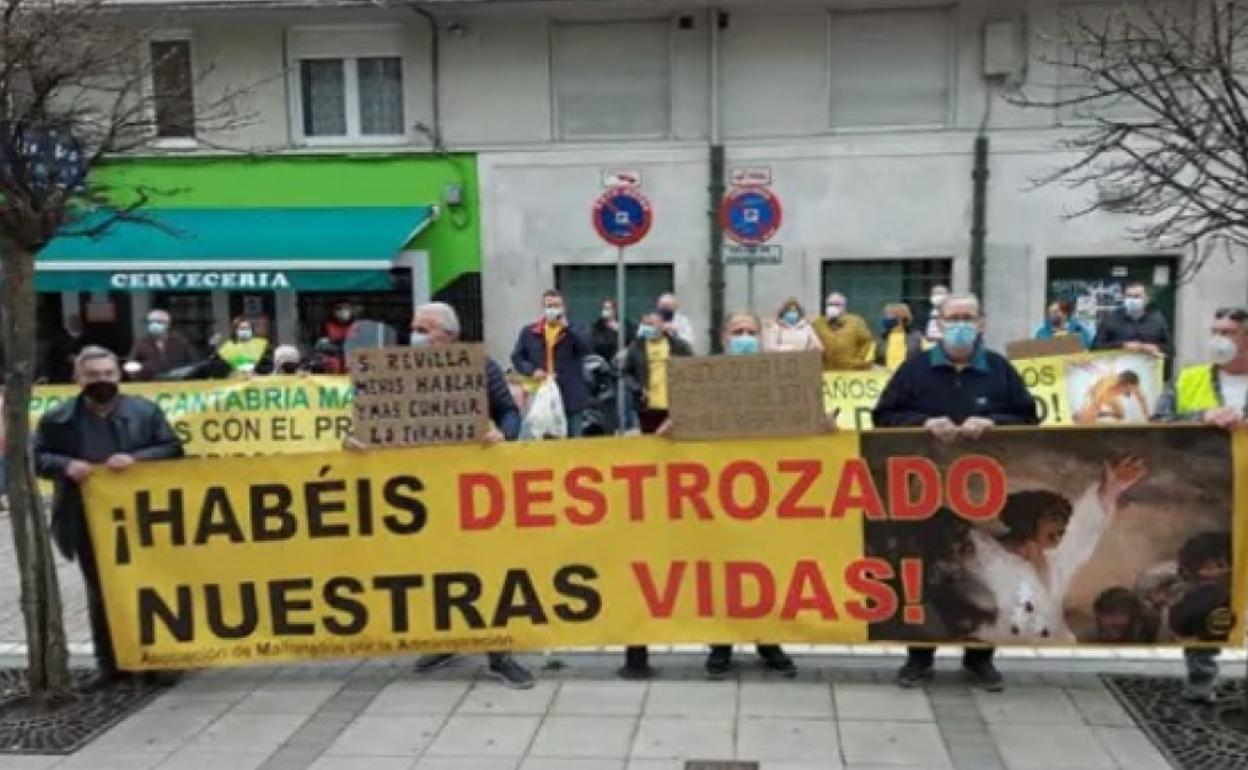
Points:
(545, 418)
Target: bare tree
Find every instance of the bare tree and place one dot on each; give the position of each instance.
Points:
(76, 86)
(1158, 95)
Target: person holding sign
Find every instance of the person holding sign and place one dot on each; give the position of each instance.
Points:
(99, 430)
(957, 390)
(1134, 327)
(551, 347)
(437, 324)
(1215, 394)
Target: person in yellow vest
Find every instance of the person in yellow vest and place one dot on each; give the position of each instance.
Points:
(898, 338)
(245, 351)
(1216, 394)
(846, 338)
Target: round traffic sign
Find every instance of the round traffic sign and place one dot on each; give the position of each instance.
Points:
(751, 215)
(622, 216)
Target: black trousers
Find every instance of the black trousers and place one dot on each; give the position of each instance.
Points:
(105, 661)
(927, 655)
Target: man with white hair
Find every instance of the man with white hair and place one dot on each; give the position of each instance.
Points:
(676, 323)
(161, 350)
(957, 390)
(435, 324)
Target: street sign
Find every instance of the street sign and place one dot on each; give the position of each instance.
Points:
(621, 178)
(750, 215)
(622, 216)
(750, 176)
(753, 255)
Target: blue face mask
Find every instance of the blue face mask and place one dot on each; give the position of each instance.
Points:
(156, 328)
(960, 335)
(1134, 306)
(744, 345)
(791, 317)
(418, 340)
(647, 332)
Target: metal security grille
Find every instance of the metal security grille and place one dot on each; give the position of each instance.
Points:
(871, 284)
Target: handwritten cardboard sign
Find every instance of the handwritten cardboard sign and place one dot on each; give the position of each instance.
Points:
(406, 396)
(774, 394)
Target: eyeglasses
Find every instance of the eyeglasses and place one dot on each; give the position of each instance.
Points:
(1236, 314)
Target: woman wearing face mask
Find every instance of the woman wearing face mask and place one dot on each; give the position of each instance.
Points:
(338, 325)
(791, 331)
(245, 351)
(898, 340)
(605, 331)
(1061, 322)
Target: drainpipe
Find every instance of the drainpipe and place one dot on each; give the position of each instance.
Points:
(715, 190)
(979, 213)
(435, 78)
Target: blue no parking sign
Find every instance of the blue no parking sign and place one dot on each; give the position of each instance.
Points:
(751, 215)
(622, 216)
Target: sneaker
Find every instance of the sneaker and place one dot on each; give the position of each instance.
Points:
(511, 673)
(1201, 693)
(914, 673)
(719, 663)
(427, 663)
(982, 673)
(775, 659)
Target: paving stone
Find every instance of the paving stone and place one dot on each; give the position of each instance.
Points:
(584, 737)
(287, 698)
(408, 697)
(774, 699)
(363, 763)
(96, 759)
(702, 700)
(258, 733)
(667, 738)
(1131, 748)
(550, 763)
(467, 763)
(1099, 707)
(492, 698)
(768, 740)
(887, 702)
(600, 699)
(191, 759)
(893, 743)
(475, 735)
(160, 731)
(1031, 705)
(407, 735)
(1050, 747)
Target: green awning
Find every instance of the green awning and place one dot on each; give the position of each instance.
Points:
(271, 249)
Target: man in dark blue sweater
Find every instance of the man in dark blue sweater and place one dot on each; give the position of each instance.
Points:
(958, 389)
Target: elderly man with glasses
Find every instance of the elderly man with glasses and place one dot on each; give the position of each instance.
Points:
(1213, 393)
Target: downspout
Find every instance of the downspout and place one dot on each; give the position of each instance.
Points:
(979, 199)
(715, 191)
(435, 77)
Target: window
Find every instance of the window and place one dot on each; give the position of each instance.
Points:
(584, 288)
(612, 79)
(349, 84)
(192, 316)
(173, 93)
(869, 285)
(891, 68)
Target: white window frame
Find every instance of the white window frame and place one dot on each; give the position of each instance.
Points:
(149, 88)
(386, 41)
(552, 48)
(951, 68)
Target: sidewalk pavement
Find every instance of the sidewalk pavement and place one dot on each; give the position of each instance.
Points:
(841, 712)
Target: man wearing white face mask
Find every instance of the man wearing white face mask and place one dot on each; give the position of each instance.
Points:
(846, 338)
(1135, 327)
(1213, 394)
(161, 350)
(957, 390)
(551, 347)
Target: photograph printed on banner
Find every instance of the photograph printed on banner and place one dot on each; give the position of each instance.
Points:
(1120, 390)
(1104, 537)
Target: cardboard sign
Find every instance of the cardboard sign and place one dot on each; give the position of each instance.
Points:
(406, 396)
(774, 394)
(1058, 346)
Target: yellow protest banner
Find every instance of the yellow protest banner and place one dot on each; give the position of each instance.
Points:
(1102, 387)
(265, 415)
(885, 536)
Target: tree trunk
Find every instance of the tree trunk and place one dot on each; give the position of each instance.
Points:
(47, 653)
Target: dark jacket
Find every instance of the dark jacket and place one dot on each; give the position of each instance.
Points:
(61, 354)
(571, 349)
(177, 354)
(928, 386)
(637, 367)
(142, 432)
(1118, 328)
(503, 410)
(605, 340)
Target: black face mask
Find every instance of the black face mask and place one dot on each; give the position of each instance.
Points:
(100, 392)
(667, 314)
(288, 367)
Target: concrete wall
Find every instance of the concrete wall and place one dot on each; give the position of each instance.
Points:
(849, 193)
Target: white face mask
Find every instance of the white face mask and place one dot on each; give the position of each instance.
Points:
(834, 311)
(1222, 349)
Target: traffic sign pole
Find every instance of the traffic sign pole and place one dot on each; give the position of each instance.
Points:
(751, 215)
(621, 388)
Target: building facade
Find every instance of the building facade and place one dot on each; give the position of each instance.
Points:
(862, 115)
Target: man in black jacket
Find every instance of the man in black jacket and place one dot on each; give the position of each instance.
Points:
(99, 430)
(1135, 327)
(958, 389)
